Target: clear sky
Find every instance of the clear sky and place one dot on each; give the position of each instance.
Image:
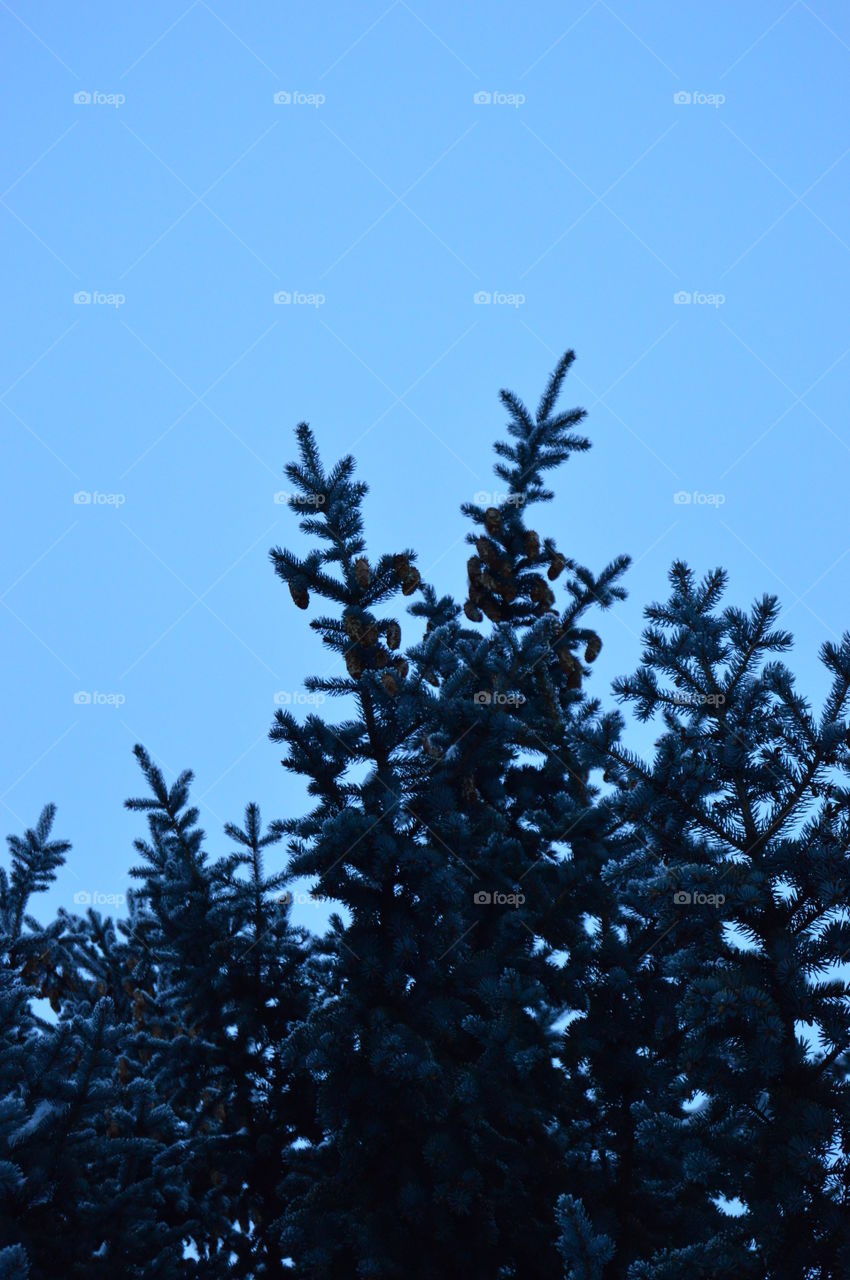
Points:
(381, 194)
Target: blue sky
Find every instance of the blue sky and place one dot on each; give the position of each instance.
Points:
(427, 153)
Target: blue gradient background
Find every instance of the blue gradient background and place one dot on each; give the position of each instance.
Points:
(398, 198)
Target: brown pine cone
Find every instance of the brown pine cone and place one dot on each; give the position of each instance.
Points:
(300, 595)
(393, 634)
(389, 684)
(532, 545)
(472, 612)
(556, 566)
(594, 646)
(362, 572)
(411, 582)
(493, 521)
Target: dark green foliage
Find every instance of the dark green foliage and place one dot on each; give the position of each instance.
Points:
(571, 1007)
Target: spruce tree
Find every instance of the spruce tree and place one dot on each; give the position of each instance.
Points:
(740, 891)
(438, 1090)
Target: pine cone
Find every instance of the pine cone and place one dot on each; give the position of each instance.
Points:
(594, 646)
(300, 594)
(393, 635)
(401, 564)
(532, 545)
(493, 521)
(361, 572)
(402, 666)
(370, 635)
(486, 550)
(411, 582)
(354, 664)
(574, 678)
(352, 627)
(566, 660)
(556, 566)
(541, 593)
(473, 612)
(491, 609)
(389, 684)
(473, 568)
(382, 658)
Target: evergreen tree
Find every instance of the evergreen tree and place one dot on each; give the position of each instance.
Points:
(438, 1091)
(560, 1026)
(231, 981)
(740, 891)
